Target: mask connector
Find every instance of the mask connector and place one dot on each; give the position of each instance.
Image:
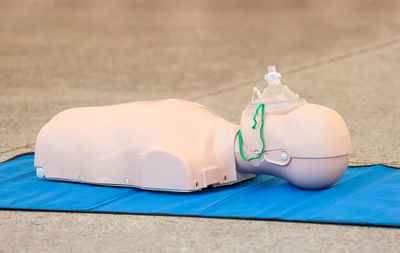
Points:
(276, 96)
(272, 77)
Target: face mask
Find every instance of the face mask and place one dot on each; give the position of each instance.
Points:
(276, 98)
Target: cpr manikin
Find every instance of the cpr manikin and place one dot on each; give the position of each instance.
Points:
(177, 145)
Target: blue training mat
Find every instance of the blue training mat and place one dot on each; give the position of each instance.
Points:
(364, 195)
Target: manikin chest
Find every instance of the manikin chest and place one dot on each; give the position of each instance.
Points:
(172, 145)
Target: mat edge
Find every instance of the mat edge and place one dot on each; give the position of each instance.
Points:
(204, 216)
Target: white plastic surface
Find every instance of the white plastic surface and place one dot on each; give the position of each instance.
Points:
(40, 172)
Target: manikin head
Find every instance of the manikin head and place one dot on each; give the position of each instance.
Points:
(283, 135)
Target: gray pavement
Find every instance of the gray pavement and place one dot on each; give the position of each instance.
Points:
(60, 54)
(72, 232)
(56, 55)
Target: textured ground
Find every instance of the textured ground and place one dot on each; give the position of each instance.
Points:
(57, 232)
(57, 55)
(60, 54)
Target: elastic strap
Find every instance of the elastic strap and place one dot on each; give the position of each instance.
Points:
(262, 106)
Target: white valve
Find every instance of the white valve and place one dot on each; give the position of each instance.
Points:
(276, 96)
(272, 77)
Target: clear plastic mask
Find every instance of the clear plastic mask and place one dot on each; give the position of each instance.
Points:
(276, 96)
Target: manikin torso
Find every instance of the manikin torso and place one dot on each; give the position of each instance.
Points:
(167, 144)
(177, 145)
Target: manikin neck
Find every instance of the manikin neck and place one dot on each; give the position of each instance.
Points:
(256, 166)
(242, 166)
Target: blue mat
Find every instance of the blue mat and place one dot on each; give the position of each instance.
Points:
(364, 195)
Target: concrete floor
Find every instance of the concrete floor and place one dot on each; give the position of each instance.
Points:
(60, 232)
(60, 54)
(57, 55)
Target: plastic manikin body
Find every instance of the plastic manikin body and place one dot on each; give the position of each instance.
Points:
(177, 145)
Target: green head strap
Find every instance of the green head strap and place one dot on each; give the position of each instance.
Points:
(262, 106)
